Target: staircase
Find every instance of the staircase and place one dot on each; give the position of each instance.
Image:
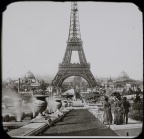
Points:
(77, 103)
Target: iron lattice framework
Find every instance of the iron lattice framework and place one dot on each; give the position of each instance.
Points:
(74, 43)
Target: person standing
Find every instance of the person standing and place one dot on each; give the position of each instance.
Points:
(107, 117)
(137, 99)
(118, 112)
(126, 106)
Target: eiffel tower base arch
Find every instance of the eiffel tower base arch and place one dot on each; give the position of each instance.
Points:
(74, 70)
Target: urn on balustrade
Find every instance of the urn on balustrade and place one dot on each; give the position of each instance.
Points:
(64, 104)
(39, 105)
(58, 103)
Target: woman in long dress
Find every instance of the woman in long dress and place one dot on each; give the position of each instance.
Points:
(118, 112)
(107, 117)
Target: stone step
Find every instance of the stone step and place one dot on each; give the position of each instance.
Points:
(16, 124)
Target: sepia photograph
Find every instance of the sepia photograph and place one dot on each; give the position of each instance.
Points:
(72, 69)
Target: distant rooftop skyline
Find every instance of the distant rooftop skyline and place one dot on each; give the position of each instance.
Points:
(35, 33)
(50, 77)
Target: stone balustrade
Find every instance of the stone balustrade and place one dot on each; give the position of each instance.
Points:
(32, 129)
(28, 124)
(95, 110)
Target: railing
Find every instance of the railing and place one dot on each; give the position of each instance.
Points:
(74, 65)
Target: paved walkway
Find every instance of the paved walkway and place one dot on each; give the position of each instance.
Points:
(133, 128)
(79, 122)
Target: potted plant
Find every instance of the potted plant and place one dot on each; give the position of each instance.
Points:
(58, 104)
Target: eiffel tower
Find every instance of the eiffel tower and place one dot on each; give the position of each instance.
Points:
(74, 43)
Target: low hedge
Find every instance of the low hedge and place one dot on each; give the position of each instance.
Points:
(136, 112)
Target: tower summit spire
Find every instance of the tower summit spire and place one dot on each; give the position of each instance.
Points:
(74, 30)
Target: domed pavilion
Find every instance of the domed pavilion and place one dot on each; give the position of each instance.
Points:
(30, 81)
(123, 75)
(124, 79)
(29, 77)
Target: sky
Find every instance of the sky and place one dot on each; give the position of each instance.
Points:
(34, 36)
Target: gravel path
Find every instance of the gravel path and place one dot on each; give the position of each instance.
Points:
(131, 132)
(79, 122)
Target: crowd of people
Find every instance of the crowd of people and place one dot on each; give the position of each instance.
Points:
(121, 110)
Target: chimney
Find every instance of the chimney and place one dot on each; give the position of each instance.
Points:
(18, 85)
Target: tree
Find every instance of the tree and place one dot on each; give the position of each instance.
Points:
(43, 86)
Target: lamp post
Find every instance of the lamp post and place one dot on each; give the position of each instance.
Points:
(92, 93)
(58, 93)
(50, 90)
